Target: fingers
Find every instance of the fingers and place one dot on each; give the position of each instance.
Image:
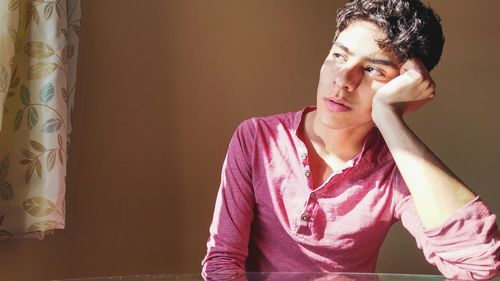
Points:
(414, 106)
(432, 88)
(415, 69)
(415, 64)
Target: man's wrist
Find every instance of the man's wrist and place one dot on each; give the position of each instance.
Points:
(383, 112)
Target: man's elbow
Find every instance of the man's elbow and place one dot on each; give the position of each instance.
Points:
(473, 271)
(222, 267)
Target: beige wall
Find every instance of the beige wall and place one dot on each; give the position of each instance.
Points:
(161, 87)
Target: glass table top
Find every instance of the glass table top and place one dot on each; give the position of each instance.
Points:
(277, 276)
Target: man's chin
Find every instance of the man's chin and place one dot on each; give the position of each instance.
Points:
(340, 121)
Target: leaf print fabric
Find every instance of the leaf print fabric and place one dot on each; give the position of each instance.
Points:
(37, 87)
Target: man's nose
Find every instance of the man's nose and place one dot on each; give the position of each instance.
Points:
(349, 77)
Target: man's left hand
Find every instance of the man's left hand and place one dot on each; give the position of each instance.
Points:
(407, 92)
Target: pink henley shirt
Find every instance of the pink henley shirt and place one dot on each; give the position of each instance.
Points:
(269, 217)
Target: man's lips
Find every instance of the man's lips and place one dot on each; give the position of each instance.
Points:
(336, 105)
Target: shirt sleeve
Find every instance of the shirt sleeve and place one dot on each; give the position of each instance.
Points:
(465, 247)
(227, 246)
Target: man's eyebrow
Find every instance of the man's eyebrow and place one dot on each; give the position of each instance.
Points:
(386, 62)
(342, 47)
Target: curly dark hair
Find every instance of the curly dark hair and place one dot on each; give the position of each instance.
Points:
(412, 29)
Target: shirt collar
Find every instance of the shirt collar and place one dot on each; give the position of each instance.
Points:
(372, 143)
(298, 117)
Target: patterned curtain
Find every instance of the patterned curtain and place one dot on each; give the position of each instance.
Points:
(38, 53)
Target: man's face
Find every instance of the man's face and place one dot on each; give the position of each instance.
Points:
(353, 71)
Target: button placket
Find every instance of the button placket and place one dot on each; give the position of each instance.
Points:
(313, 195)
(306, 216)
(303, 155)
(302, 223)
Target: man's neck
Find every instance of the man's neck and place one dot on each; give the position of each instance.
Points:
(344, 143)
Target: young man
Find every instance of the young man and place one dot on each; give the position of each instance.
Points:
(317, 190)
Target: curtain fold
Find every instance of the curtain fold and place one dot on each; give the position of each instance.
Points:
(38, 55)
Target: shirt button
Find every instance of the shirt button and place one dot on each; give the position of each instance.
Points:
(308, 173)
(303, 156)
(304, 217)
(313, 195)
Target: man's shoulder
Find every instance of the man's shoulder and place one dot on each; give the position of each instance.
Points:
(285, 119)
(271, 127)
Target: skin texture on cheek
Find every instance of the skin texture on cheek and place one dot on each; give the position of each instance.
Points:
(377, 85)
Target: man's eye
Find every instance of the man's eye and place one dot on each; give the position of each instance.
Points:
(374, 71)
(339, 57)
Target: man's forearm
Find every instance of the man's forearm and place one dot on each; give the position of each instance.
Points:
(436, 191)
